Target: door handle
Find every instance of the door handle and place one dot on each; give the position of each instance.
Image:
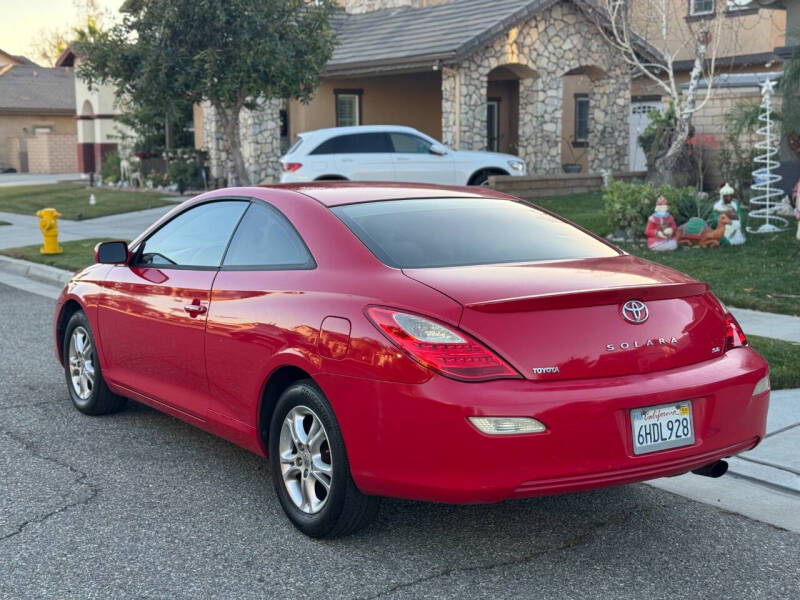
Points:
(195, 308)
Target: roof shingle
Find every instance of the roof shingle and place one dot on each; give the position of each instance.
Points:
(26, 89)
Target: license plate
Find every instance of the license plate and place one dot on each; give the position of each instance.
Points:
(660, 427)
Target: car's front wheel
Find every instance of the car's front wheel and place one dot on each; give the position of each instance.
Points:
(87, 388)
(310, 468)
(481, 178)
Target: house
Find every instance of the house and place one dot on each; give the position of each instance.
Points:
(530, 77)
(37, 105)
(95, 111)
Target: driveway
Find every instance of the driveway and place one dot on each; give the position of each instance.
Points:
(8, 179)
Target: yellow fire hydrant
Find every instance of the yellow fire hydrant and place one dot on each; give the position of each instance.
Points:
(48, 223)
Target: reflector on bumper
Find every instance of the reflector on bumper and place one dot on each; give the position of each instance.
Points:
(507, 425)
(762, 385)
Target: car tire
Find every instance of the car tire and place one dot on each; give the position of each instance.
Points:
(481, 178)
(302, 459)
(87, 388)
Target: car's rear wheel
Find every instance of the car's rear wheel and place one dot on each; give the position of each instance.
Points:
(309, 466)
(87, 388)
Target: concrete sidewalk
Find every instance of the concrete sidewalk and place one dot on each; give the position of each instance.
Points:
(24, 229)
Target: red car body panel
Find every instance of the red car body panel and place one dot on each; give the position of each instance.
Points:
(405, 427)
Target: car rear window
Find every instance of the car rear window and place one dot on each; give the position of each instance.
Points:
(448, 232)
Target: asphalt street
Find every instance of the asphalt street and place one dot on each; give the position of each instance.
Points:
(141, 505)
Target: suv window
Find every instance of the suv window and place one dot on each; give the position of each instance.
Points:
(355, 143)
(265, 238)
(410, 144)
(195, 238)
(448, 232)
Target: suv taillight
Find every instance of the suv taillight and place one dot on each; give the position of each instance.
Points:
(290, 166)
(439, 347)
(734, 336)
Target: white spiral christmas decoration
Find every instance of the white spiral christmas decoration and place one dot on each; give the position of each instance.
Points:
(764, 189)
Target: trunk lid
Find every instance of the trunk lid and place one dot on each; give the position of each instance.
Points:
(564, 319)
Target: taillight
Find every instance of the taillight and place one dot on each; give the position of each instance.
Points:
(444, 349)
(734, 336)
(291, 167)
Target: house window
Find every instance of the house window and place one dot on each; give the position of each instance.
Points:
(348, 107)
(701, 7)
(581, 118)
(493, 124)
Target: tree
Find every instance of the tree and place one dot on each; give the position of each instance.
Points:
(48, 44)
(229, 52)
(661, 26)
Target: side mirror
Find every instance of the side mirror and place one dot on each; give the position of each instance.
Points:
(111, 253)
(437, 150)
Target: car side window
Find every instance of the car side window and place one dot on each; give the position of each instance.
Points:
(195, 238)
(356, 143)
(409, 144)
(265, 238)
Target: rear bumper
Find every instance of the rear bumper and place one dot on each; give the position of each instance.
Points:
(414, 441)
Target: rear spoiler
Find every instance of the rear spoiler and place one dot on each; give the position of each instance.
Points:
(596, 297)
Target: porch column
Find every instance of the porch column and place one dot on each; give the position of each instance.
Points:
(451, 106)
(260, 130)
(609, 123)
(540, 123)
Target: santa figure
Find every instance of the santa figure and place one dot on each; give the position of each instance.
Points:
(661, 228)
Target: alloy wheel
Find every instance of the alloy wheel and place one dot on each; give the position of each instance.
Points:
(81, 363)
(305, 459)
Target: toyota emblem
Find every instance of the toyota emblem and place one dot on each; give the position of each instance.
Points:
(635, 311)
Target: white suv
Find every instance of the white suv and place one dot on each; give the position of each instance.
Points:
(389, 153)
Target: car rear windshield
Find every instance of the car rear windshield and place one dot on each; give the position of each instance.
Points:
(448, 232)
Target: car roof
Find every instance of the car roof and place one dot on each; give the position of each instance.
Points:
(330, 131)
(336, 193)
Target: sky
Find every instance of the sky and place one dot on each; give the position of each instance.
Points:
(21, 20)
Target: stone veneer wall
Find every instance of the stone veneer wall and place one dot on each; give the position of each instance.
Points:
(559, 40)
(260, 134)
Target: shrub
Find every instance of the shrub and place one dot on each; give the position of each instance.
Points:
(110, 169)
(628, 205)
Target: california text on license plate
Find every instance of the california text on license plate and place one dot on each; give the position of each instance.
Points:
(661, 427)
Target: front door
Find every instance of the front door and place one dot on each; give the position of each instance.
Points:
(492, 125)
(152, 317)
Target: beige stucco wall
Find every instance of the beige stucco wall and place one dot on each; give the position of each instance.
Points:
(22, 125)
(414, 100)
(734, 33)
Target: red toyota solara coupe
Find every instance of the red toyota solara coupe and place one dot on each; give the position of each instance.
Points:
(442, 344)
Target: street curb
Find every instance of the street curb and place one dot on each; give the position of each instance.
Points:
(35, 271)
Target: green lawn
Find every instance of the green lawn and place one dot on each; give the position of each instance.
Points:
(72, 200)
(76, 255)
(763, 274)
(782, 358)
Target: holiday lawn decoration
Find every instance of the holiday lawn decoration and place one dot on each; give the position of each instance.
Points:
(696, 232)
(661, 228)
(764, 189)
(726, 205)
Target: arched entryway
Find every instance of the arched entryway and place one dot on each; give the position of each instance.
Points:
(503, 105)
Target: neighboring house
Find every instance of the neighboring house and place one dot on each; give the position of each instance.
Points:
(95, 110)
(530, 77)
(748, 51)
(37, 105)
